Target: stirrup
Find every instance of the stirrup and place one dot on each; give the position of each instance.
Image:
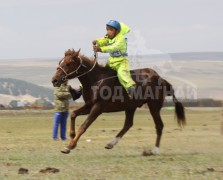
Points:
(131, 92)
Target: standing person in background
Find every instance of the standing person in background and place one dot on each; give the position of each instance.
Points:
(62, 95)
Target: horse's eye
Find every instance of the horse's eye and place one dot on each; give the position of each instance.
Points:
(68, 64)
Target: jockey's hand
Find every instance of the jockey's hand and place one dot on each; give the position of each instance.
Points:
(96, 49)
(94, 42)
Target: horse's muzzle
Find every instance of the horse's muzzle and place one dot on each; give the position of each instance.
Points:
(57, 82)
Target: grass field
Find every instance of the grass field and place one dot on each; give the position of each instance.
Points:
(195, 152)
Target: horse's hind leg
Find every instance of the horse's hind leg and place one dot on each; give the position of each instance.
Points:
(155, 107)
(127, 125)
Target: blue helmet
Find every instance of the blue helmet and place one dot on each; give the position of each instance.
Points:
(114, 24)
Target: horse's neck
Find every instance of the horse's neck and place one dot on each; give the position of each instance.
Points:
(95, 73)
(89, 78)
(95, 76)
(84, 80)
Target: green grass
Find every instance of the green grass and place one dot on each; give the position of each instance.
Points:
(195, 152)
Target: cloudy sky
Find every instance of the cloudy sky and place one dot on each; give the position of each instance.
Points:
(46, 28)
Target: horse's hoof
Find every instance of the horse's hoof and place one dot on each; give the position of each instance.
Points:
(109, 146)
(155, 151)
(152, 152)
(147, 153)
(65, 150)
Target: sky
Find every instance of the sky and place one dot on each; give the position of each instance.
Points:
(47, 28)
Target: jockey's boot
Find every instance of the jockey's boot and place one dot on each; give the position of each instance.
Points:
(75, 93)
(131, 92)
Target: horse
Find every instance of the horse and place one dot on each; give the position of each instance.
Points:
(102, 93)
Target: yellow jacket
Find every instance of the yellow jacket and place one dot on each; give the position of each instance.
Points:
(117, 47)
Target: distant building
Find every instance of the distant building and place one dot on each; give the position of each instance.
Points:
(2, 107)
(43, 104)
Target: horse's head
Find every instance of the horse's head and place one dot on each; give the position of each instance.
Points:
(68, 67)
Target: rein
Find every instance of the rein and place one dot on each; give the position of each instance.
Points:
(81, 64)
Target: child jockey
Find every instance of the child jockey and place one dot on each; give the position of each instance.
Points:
(115, 44)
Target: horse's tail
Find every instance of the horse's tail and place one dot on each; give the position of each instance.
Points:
(179, 111)
(179, 108)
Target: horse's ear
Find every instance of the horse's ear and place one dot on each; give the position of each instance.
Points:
(77, 53)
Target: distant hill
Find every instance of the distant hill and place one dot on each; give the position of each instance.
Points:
(212, 56)
(201, 71)
(11, 89)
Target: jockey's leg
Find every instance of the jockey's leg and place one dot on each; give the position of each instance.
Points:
(125, 78)
(124, 75)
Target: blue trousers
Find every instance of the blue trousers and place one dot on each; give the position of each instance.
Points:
(60, 119)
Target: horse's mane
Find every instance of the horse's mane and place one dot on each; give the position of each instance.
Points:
(69, 52)
(91, 62)
(86, 60)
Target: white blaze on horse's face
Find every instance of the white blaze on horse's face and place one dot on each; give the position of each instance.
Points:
(66, 66)
(61, 69)
(61, 62)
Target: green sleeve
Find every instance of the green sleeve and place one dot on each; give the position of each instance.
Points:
(119, 44)
(102, 41)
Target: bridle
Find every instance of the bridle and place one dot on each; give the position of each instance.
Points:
(80, 65)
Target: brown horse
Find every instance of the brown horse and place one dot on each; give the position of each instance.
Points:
(102, 92)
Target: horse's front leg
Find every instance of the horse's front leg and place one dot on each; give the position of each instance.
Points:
(81, 111)
(72, 124)
(96, 110)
